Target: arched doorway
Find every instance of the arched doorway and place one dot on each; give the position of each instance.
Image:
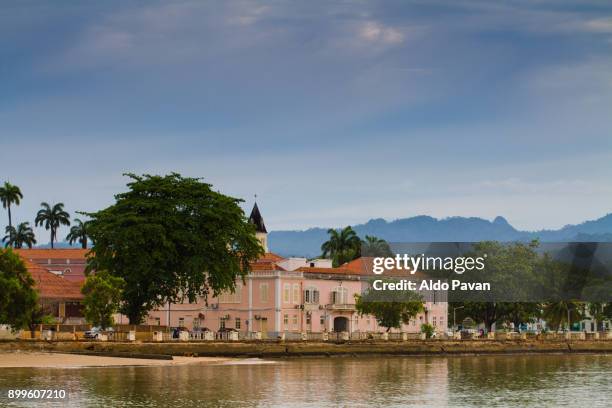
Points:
(341, 324)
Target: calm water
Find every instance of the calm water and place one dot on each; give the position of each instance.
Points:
(491, 381)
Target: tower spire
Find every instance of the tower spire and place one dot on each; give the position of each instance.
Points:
(260, 228)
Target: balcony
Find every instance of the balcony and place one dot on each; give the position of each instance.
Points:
(340, 306)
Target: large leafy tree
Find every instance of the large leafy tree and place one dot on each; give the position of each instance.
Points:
(510, 268)
(52, 217)
(10, 194)
(170, 238)
(78, 233)
(342, 246)
(18, 298)
(20, 236)
(390, 308)
(102, 296)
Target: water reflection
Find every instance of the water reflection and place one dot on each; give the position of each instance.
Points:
(505, 381)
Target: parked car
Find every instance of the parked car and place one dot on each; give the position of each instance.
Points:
(95, 332)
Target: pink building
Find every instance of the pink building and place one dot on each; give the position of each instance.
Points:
(306, 299)
(293, 295)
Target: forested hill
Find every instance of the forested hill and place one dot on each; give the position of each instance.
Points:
(424, 229)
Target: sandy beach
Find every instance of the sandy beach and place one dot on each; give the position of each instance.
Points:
(58, 360)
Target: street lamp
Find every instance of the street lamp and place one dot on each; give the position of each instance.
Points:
(454, 309)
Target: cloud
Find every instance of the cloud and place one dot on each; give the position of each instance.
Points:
(600, 25)
(375, 32)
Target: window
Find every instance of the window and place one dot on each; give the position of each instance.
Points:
(181, 322)
(435, 322)
(237, 323)
(308, 319)
(263, 292)
(196, 323)
(296, 293)
(229, 297)
(339, 296)
(322, 320)
(441, 322)
(295, 320)
(311, 295)
(222, 323)
(286, 319)
(157, 321)
(287, 293)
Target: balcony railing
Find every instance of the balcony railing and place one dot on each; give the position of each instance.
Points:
(340, 306)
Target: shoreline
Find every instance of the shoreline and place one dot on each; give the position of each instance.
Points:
(37, 359)
(275, 349)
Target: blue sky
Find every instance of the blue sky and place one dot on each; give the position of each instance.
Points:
(332, 112)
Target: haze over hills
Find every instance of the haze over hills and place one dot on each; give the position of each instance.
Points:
(425, 229)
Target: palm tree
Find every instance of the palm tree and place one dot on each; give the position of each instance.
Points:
(52, 218)
(10, 194)
(343, 246)
(374, 246)
(78, 233)
(597, 312)
(22, 235)
(556, 313)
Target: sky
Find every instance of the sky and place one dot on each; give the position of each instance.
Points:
(332, 112)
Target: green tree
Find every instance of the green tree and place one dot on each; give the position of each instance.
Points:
(171, 238)
(10, 194)
(520, 312)
(18, 298)
(102, 297)
(20, 236)
(483, 312)
(390, 308)
(52, 217)
(78, 233)
(374, 246)
(607, 311)
(510, 268)
(342, 246)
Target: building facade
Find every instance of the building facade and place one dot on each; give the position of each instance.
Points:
(292, 295)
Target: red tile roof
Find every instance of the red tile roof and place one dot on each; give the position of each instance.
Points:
(59, 253)
(365, 266)
(269, 256)
(51, 286)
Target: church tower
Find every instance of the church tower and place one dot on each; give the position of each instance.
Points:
(260, 228)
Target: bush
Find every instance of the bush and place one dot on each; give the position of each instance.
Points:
(428, 329)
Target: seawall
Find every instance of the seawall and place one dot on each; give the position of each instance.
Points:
(297, 349)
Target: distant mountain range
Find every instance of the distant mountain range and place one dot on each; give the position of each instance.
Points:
(423, 228)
